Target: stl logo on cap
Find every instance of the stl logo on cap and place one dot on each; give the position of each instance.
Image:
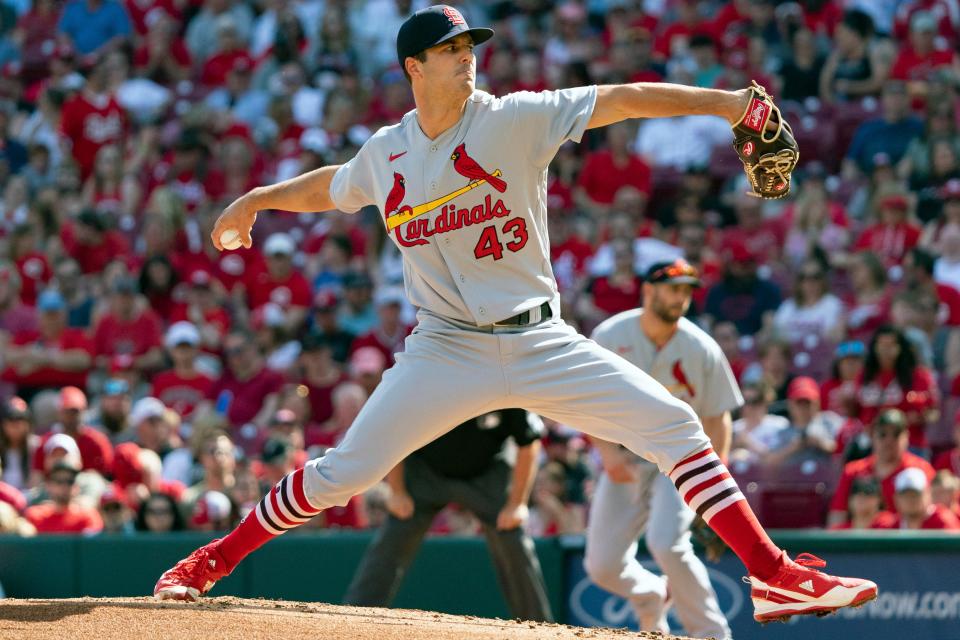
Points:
(454, 16)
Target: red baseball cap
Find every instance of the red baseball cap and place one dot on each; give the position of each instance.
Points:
(73, 398)
(804, 388)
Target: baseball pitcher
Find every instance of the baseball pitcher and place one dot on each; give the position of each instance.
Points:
(461, 182)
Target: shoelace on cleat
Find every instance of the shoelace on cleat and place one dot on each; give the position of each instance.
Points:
(810, 560)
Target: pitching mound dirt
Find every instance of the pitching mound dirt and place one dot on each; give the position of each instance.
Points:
(223, 618)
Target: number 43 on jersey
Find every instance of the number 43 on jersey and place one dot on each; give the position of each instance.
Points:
(514, 231)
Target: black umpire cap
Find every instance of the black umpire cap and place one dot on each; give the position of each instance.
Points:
(431, 26)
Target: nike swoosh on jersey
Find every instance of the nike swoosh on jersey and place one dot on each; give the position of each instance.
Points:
(394, 156)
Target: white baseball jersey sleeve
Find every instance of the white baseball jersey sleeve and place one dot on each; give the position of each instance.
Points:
(691, 365)
(468, 209)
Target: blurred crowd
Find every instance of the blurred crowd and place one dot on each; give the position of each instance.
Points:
(150, 383)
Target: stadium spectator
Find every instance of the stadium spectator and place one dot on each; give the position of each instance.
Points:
(950, 459)
(12, 523)
(367, 365)
(892, 378)
(802, 67)
(75, 291)
(889, 440)
(816, 222)
(742, 297)
(17, 444)
(277, 459)
(945, 491)
(390, 332)
(868, 307)
(812, 310)
(918, 277)
(551, 512)
(153, 427)
(218, 458)
(15, 316)
(616, 291)
(812, 432)
(9, 494)
(280, 283)
(32, 264)
(357, 315)
(93, 118)
(95, 449)
(890, 134)
(757, 432)
(62, 513)
(159, 514)
(915, 508)
(62, 448)
(128, 328)
(162, 55)
(116, 514)
(922, 56)
(52, 356)
(183, 386)
(89, 239)
(894, 233)
(854, 67)
(319, 375)
(839, 392)
(606, 171)
(94, 26)
(346, 401)
(946, 270)
(204, 24)
(864, 505)
(273, 339)
(248, 388)
(213, 511)
(203, 307)
(112, 412)
(138, 473)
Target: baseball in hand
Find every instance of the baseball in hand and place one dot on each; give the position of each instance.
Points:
(230, 239)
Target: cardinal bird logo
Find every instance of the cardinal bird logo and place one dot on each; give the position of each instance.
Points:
(468, 167)
(395, 197)
(681, 379)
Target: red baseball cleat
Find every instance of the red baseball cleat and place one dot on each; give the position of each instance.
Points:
(193, 576)
(797, 589)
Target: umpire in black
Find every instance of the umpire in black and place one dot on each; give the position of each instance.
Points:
(474, 467)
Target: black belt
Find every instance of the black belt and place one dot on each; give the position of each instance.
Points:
(530, 316)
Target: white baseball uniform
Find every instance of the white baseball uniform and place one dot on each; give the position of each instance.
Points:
(468, 212)
(692, 367)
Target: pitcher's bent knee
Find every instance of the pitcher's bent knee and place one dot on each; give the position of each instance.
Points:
(331, 480)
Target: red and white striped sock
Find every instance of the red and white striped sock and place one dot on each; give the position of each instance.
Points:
(706, 485)
(283, 508)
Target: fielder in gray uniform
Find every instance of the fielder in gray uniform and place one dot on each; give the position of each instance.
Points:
(633, 497)
(461, 182)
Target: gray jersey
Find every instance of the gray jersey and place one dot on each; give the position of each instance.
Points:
(690, 365)
(468, 209)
